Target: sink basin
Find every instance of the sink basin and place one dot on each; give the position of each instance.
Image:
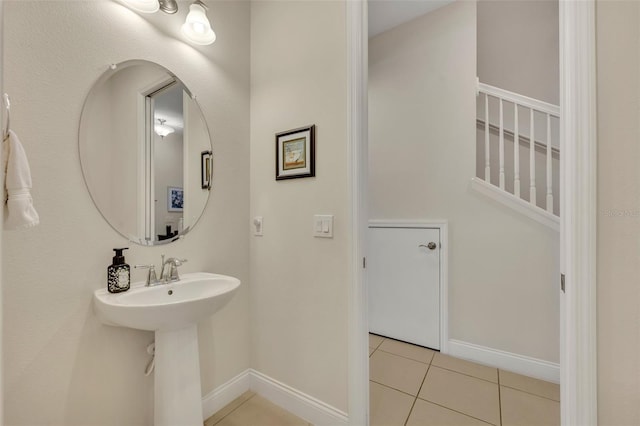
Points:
(166, 306)
(172, 312)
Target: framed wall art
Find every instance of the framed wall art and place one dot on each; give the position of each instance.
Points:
(175, 199)
(295, 153)
(206, 168)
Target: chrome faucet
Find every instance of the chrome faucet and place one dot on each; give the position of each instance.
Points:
(170, 274)
(167, 275)
(152, 278)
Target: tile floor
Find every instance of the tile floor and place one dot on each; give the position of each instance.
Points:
(415, 386)
(251, 409)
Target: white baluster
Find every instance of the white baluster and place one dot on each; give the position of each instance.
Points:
(487, 139)
(549, 174)
(516, 152)
(501, 146)
(532, 160)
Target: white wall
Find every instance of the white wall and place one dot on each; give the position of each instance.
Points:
(518, 47)
(63, 366)
(299, 283)
(168, 161)
(618, 269)
(195, 141)
(503, 268)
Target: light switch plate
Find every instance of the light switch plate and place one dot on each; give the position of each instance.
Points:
(323, 226)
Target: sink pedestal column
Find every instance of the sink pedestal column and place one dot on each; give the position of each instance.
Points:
(177, 392)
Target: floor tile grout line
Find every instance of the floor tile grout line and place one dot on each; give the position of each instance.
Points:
(489, 381)
(433, 351)
(406, 357)
(530, 393)
(456, 411)
(464, 374)
(240, 405)
(416, 398)
(378, 345)
(395, 389)
(525, 391)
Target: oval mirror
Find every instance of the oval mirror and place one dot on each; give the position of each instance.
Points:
(145, 152)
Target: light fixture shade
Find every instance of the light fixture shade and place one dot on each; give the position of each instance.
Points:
(143, 6)
(162, 129)
(197, 27)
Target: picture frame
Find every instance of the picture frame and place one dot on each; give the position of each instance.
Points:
(175, 199)
(206, 169)
(295, 153)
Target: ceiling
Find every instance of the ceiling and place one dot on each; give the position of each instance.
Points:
(387, 14)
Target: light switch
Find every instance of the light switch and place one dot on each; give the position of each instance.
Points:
(257, 225)
(323, 226)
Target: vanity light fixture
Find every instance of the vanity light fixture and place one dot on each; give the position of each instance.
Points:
(168, 6)
(143, 6)
(162, 129)
(197, 28)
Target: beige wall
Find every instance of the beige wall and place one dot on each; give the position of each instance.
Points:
(518, 47)
(63, 366)
(503, 266)
(618, 290)
(299, 283)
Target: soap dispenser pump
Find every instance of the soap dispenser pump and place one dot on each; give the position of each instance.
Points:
(118, 273)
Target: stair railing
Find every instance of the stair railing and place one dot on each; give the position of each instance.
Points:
(536, 110)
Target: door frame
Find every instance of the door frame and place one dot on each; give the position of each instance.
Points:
(578, 211)
(443, 264)
(578, 192)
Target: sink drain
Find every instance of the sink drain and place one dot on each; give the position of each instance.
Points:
(170, 292)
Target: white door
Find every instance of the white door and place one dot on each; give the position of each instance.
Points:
(403, 272)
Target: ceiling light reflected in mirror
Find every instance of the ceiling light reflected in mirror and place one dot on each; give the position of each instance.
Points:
(162, 129)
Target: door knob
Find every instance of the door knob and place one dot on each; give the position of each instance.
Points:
(430, 246)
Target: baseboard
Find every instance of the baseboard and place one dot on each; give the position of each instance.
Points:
(302, 405)
(218, 398)
(296, 402)
(516, 363)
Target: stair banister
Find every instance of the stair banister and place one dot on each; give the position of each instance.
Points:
(540, 113)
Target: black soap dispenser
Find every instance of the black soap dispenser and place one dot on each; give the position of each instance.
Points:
(118, 273)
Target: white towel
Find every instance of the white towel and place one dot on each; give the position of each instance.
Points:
(18, 212)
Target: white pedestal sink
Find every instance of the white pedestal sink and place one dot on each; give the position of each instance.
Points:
(172, 311)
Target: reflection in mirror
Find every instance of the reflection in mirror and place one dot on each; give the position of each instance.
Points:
(141, 137)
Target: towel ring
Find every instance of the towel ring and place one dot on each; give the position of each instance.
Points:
(7, 104)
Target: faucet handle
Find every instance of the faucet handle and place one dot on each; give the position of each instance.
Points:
(152, 278)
